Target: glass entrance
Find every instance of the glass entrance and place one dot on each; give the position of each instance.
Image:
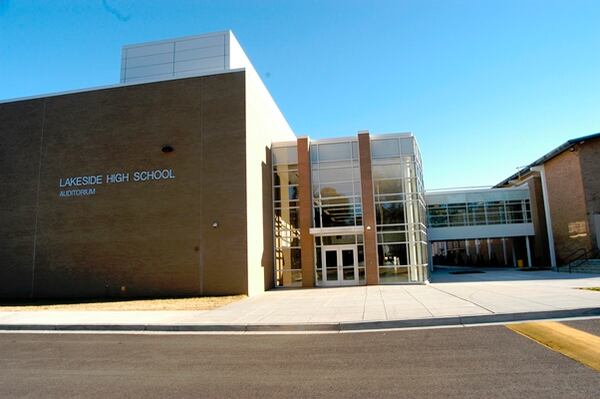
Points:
(341, 266)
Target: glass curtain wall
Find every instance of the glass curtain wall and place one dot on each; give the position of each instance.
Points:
(335, 176)
(479, 213)
(288, 269)
(336, 184)
(349, 239)
(400, 210)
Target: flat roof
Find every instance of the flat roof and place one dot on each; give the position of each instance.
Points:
(176, 39)
(343, 139)
(465, 195)
(116, 85)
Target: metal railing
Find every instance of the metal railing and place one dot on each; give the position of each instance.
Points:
(579, 257)
(589, 255)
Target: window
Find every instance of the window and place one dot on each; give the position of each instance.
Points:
(385, 148)
(390, 213)
(479, 213)
(400, 211)
(356, 239)
(284, 155)
(334, 152)
(286, 222)
(336, 185)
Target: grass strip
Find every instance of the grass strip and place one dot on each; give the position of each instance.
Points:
(124, 304)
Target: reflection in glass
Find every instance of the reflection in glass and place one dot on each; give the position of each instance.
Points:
(285, 193)
(287, 218)
(287, 258)
(385, 148)
(400, 210)
(337, 216)
(390, 213)
(392, 237)
(337, 190)
(333, 175)
(334, 152)
(393, 274)
(392, 254)
(289, 278)
(386, 171)
(361, 256)
(479, 213)
(387, 186)
(331, 259)
(347, 257)
(285, 178)
(338, 240)
(348, 273)
(284, 155)
(287, 254)
(332, 274)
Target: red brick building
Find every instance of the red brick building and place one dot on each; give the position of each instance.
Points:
(570, 188)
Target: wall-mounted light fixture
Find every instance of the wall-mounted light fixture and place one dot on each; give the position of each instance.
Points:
(167, 148)
(215, 224)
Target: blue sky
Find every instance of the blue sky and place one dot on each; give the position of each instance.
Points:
(486, 86)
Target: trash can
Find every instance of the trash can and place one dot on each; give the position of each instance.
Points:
(519, 263)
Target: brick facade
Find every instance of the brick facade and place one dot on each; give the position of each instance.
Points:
(567, 200)
(540, 240)
(305, 200)
(368, 206)
(150, 238)
(590, 172)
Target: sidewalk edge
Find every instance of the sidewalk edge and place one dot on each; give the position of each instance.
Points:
(314, 327)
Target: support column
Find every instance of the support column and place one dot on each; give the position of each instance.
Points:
(305, 213)
(368, 208)
(514, 254)
(550, 232)
(430, 255)
(528, 252)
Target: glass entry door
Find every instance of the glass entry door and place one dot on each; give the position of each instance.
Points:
(340, 264)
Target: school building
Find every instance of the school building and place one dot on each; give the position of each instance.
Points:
(186, 179)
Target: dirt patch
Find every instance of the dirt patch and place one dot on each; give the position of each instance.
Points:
(194, 303)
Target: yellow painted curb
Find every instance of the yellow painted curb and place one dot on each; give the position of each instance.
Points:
(576, 344)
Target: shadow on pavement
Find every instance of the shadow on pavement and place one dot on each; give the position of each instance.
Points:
(461, 274)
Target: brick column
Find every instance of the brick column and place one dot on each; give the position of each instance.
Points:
(368, 208)
(540, 239)
(305, 200)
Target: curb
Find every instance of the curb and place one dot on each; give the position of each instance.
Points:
(314, 327)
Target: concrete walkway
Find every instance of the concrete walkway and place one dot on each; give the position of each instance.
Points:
(496, 295)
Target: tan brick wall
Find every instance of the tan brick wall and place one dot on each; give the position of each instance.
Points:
(20, 129)
(368, 207)
(305, 200)
(153, 238)
(590, 171)
(567, 204)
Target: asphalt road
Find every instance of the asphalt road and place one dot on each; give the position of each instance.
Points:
(589, 326)
(475, 362)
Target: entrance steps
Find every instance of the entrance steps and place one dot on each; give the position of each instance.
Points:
(582, 266)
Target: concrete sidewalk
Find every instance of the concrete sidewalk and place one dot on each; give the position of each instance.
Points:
(496, 295)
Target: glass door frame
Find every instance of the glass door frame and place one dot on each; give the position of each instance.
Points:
(340, 267)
